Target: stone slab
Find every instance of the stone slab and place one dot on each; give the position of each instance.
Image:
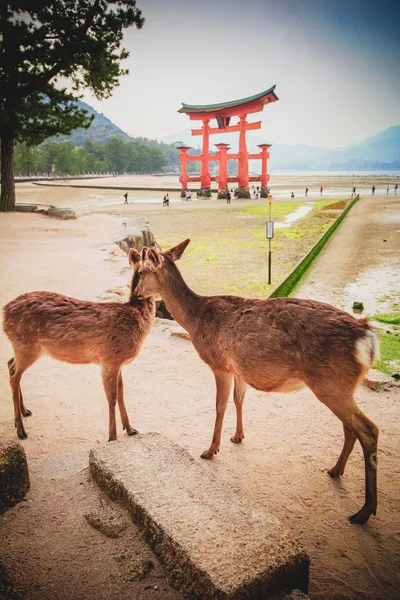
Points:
(377, 381)
(14, 476)
(213, 545)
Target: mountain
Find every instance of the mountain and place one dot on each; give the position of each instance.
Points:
(381, 151)
(101, 130)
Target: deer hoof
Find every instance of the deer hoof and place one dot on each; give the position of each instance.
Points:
(333, 473)
(360, 517)
(27, 413)
(207, 455)
(23, 435)
(133, 432)
(237, 440)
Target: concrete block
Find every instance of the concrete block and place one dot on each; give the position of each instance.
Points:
(212, 544)
(14, 476)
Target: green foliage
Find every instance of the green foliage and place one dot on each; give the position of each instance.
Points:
(389, 362)
(389, 319)
(41, 42)
(63, 158)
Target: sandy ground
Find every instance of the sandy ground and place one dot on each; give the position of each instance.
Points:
(291, 440)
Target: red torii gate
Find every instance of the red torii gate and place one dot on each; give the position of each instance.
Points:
(223, 113)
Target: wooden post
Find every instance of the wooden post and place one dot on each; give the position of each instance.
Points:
(205, 179)
(222, 178)
(243, 163)
(183, 157)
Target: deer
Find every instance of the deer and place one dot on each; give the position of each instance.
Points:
(274, 345)
(109, 334)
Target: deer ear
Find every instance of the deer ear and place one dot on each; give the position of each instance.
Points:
(134, 257)
(176, 252)
(153, 259)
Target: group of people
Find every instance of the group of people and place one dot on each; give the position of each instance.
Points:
(395, 188)
(321, 189)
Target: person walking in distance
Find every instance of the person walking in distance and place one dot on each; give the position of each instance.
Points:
(373, 190)
(395, 189)
(387, 191)
(306, 192)
(126, 198)
(321, 189)
(228, 197)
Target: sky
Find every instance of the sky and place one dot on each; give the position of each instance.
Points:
(335, 64)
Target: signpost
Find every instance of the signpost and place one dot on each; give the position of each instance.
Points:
(270, 235)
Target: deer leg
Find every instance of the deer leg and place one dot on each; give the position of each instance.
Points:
(23, 359)
(224, 383)
(122, 408)
(342, 404)
(11, 369)
(239, 392)
(110, 384)
(349, 441)
(367, 433)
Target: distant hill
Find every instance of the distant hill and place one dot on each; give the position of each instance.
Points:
(101, 130)
(378, 152)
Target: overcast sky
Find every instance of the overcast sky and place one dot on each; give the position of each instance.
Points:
(335, 63)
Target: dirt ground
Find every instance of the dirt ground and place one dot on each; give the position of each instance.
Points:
(291, 440)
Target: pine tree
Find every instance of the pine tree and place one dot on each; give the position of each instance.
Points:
(41, 43)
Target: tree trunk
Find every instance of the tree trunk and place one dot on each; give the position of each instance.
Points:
(7, 196)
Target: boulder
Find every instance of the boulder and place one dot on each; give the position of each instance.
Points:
(14, 476)
(135, 234)
(61, 213)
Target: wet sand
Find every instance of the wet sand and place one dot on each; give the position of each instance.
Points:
(291, 440)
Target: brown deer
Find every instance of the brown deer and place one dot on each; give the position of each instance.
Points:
(109, 334)
(274, 345)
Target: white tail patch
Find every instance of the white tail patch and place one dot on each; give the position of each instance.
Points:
(367, 349)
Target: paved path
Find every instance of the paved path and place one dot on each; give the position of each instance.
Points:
(361, 261)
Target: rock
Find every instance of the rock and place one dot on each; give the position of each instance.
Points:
(7, 591)
(133, 568)
(61, 213)
(293, 595)
(213, 544)
(136, 234)
(163, 310)
(377, 381)
(14, 475)
(181, 334)
(106, 526)
(358, 307)
(26, 207)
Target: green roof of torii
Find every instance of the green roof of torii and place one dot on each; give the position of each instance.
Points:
(211, 107)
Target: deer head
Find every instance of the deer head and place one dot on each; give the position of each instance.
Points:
(154, 266)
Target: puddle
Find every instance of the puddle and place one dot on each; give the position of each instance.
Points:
(300, 212)
(377, 289)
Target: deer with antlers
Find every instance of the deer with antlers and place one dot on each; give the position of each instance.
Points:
(274, 345)
(109, 334)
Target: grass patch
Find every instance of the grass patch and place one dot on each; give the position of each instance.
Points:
(341, 205)
(228, 253)
(389, 319)
(389, 362)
